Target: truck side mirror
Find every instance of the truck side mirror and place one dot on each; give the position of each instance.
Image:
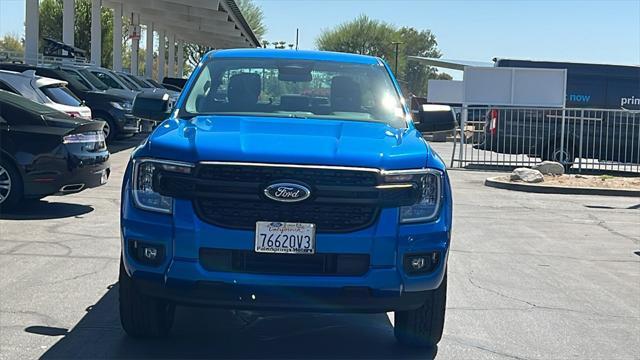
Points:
(433, 118)
(151, 106)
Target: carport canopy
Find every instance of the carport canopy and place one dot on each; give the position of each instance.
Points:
(210, 23)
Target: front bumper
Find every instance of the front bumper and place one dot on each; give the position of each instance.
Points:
(125, 121)
(298, 298)
(131, 124)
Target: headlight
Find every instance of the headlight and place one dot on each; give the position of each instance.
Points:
(428, 208)
(125, 106)
(145, 173)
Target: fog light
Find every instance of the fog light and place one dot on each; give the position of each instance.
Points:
(146, 253)
(421, 263)
(150, 253)
(417, 263)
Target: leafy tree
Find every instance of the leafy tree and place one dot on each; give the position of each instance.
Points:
(372, 37)
(363, 36)
(253, 15)
(51, 26)
(12, 43)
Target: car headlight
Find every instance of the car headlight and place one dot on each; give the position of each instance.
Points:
(125, 106)
(428, 207)
(145, 175)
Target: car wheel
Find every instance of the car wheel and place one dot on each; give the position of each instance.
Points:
(10, 185)
(423, 326)
(110, 130)
(142, 316)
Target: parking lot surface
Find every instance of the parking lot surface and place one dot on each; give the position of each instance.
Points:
(531, 276)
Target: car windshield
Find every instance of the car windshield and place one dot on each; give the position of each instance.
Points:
(93, 80)
(76, 80)
(127, 82)
(60, 94)
(295, 88)
(154, 83)
(138, 82)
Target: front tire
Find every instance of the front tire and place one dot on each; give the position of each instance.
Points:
(423, 326)
(143, 316)
(110, 129)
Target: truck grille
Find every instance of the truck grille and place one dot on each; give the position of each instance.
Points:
(245, 204)
(239, 214)
(233, 195)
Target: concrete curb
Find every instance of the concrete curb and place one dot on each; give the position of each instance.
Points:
(496, 182)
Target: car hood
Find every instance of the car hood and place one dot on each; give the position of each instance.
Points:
(287, 140)
(127, 94)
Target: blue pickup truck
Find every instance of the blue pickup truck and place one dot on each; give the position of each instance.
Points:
(287, 180)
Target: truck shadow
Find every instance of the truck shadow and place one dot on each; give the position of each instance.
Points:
(214, 333)
(45, 210)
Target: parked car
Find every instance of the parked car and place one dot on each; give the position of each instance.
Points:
(603, 100)
(287, 180)
(112, 80)
(113, 109)
(46, 91)
(45, 152)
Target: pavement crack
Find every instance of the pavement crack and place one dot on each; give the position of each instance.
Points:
(534, 306)
(499, 293)
(603, 224)
(483, 348)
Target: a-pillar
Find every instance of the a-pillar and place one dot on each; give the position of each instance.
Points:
(117, 37)
(148, 64)
(96, 32)
(172, 55)
(31, 33)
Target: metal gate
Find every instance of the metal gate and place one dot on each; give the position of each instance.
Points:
(581, 139)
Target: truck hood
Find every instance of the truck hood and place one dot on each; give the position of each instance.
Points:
(287, 140)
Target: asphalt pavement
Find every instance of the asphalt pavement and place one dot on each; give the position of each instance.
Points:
(531, 276)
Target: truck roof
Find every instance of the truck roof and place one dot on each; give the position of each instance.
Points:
(294, 54)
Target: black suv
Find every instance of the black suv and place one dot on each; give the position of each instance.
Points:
(113, 109)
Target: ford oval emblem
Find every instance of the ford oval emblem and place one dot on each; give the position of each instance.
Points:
(287, 192)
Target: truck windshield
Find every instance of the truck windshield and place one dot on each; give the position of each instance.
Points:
(295, 88)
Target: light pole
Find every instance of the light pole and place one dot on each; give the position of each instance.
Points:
(397, 44)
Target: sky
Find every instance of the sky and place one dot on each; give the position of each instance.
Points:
(476, 30)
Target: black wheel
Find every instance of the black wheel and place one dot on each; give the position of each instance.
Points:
(110, 129)
(11, 187)
(423, 326)
(143, 316)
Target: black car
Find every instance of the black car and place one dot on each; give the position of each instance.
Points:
(45, 152)
(113, 109)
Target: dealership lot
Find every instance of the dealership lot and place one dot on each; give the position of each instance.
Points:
(530, 276)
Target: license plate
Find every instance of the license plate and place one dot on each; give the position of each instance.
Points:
(285, 238)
